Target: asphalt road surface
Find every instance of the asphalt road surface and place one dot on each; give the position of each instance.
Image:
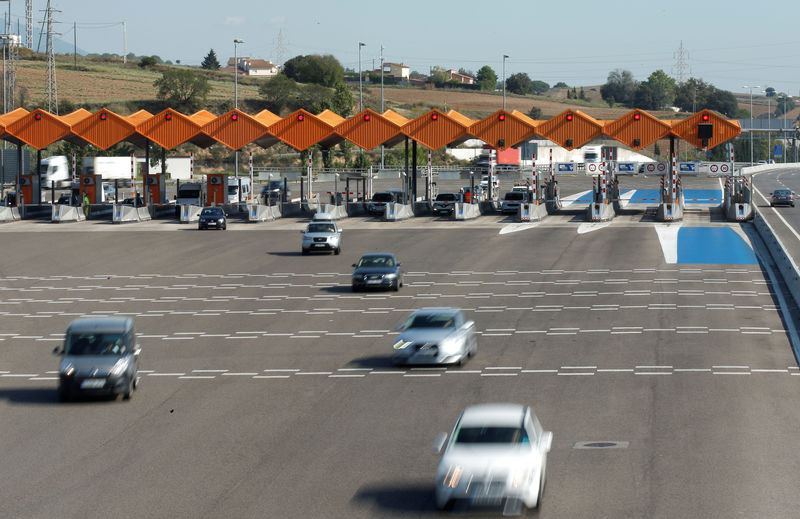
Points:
(267, 389)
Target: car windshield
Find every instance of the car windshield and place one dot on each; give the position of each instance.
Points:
(431, 321)
(515, 195)
(507, 435)
(376, 261)
(782, 192)
(381, 197)
(211, 211)
(232, 190)
(321, 227)
(275, 184)
(445, 197)
(95, 344)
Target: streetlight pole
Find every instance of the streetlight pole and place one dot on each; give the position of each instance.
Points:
(769, 128)
(360, 88)
(751, 121)
(236, 42)
(783, 127)
(505, 57)
(382, 109)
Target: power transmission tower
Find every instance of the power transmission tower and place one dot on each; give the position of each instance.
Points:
(52, 86)
(681, 67)
(280, 48)
(29, 24)
(11, 43)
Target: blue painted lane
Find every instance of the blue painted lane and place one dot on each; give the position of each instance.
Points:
(714, 245)
(702, 196)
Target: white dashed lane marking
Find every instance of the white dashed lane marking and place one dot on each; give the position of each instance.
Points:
(433, 372)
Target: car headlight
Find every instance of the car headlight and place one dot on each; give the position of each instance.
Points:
(402, 344)
(452, 477)
(390, 275)
(118, 368)
(68, 370)
(221, 220)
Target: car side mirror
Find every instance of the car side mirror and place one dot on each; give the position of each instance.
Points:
(302, 232)
(399, 264)
(137, 350)
(57, 350)
(399, 327)
(353, 265)
(439, 442)
(546, 441)
(467, 325)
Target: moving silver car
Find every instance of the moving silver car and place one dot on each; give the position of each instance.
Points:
(495, 453)
(435, 336)
(322, 236)
(99, 355)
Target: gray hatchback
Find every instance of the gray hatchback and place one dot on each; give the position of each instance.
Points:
(99, 356)
(782, 197)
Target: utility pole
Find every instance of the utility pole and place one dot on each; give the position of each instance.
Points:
(360, 88)
(124, 43)
(75, 46)
(29, 24)
(52, 85)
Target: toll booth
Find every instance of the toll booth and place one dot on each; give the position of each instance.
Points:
(29, 188)
(156, 188)
(217, 189)
(92, 185)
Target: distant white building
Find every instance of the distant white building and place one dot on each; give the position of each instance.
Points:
(397, 70)
(255, 67)
(461, 78)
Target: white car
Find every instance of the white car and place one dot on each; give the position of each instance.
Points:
(435, 336)
(496, 453)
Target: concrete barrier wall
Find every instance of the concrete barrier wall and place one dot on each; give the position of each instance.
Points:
(190, 213)
(67, 213)
(466, 211)
(395, 212)
(336, 211)
(786, 265)
(263, 213)
(128, 213)
(9, 214)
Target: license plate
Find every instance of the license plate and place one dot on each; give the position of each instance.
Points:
(319, 245)
(373, 281)
(93, 383)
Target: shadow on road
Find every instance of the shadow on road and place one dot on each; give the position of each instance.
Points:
(381, 361)
(400, 497)
(46, 396)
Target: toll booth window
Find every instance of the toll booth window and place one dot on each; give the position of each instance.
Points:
(232, 190)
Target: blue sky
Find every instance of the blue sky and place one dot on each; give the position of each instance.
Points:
(729, 44)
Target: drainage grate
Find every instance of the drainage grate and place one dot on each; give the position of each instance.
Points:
(601, 445)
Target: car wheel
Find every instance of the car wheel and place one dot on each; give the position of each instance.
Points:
(126, 395)
(304, 252)
(355, 287)
(225, 227)
(337, 250)
(63, 394)
(396, 285)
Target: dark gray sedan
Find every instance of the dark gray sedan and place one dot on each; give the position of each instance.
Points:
(782, 197)
(212, 217)
(377, 270)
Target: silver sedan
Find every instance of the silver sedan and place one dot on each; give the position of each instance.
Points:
(435, 336)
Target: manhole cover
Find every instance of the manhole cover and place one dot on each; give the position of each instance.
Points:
(601, 445)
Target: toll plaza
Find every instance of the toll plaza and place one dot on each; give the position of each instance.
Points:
(435, 129)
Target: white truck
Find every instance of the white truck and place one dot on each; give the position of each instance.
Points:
(109, 167)
(55, 169)
(177, 167)
(233, 189)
